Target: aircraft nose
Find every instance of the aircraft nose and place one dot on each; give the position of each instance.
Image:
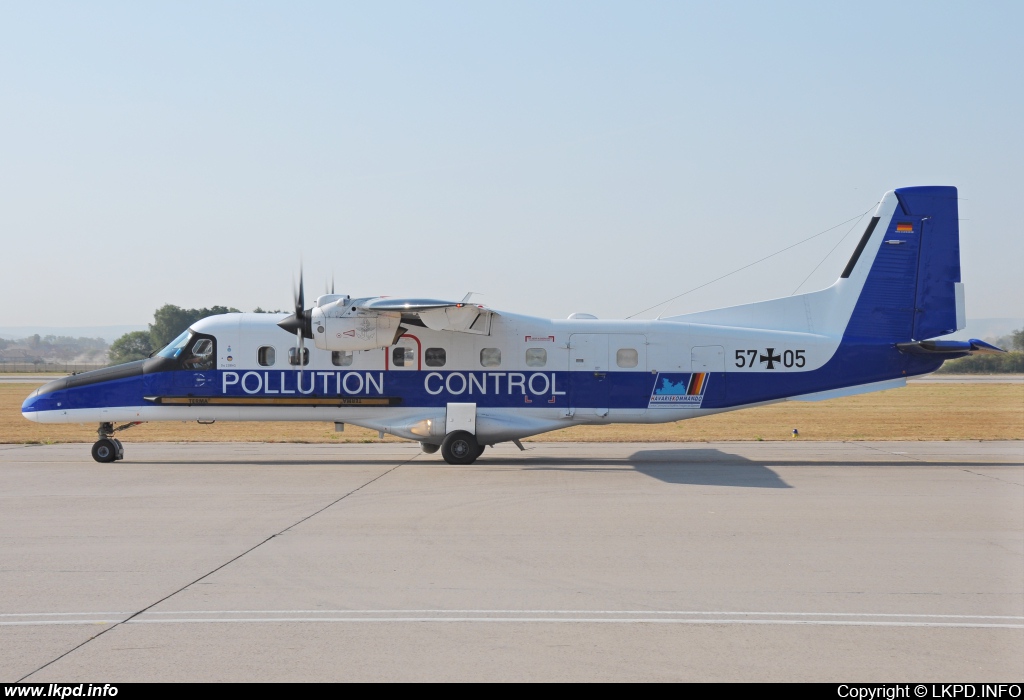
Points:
(29, 407)
(49, 397)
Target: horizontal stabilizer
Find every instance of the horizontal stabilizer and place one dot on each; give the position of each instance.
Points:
(949, 347)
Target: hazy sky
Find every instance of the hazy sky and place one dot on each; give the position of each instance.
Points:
(554, 156)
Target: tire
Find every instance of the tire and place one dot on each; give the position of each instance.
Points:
(104, 451)
(480, 450)
(460, 447)
(429, 448)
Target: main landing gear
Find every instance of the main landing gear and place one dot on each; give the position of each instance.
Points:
(109, 449)
(461, 447)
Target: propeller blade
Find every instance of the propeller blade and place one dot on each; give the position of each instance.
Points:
(298, 322)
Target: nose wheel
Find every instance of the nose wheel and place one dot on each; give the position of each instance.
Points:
(109, 449)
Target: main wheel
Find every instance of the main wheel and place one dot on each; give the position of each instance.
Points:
(104, 450)
(480, 450)
(460, 447)
(429, 448)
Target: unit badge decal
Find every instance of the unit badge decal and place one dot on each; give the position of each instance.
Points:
(679, 390)
(365, 329)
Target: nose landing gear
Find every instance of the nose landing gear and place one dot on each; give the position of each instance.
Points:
(109, 449)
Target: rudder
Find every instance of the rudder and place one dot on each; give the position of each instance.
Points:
(938, 308)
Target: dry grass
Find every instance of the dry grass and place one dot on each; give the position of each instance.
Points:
(917, 412)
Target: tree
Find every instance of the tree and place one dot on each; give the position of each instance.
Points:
(131, 346)
(1018, 340)
(169, 321)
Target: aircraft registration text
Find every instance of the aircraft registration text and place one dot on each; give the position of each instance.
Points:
(770, 358)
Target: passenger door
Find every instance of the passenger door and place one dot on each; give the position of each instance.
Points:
(630, 384)
(589, 386)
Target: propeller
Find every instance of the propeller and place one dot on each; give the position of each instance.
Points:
(300, 323)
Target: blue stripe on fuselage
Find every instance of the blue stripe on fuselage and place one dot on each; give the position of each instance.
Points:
(854, 363)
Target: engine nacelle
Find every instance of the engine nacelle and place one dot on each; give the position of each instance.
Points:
(337, 327)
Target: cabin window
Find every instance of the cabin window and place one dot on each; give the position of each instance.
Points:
(293, 356)
(536, 357)
(627, 357)
(266, 356)
(403, 356)
(435, 357)
(490, 357)
(342, 358)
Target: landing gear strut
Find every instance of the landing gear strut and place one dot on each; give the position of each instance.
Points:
(109, 449)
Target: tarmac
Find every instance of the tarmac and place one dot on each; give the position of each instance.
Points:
(752, 561)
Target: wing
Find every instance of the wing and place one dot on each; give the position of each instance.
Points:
(435, 314)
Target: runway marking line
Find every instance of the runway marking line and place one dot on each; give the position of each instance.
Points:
(621, 620)
(576, 612)
(500, 611)
(549, 616)
(534, 620)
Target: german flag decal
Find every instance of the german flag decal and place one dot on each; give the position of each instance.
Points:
(696, 385)
(904, 227)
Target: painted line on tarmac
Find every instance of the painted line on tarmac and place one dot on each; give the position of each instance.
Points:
(438, 611)
(691, 617)
(618, 620)
(37, 623)
(66, 614)
(508, 611)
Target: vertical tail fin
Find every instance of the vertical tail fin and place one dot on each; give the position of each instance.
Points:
(912, 288)
(901, 284)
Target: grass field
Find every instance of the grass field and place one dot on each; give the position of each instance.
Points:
(917, 412)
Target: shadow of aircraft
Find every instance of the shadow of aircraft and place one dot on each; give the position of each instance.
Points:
(698, 467)
(705, 467)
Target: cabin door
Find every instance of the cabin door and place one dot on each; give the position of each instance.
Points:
(589, 385)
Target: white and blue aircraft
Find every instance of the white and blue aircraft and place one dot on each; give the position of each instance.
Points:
(458, 376)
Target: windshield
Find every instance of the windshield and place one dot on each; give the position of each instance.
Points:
(174, 348)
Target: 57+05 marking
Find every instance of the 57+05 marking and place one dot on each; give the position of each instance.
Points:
(788, 358)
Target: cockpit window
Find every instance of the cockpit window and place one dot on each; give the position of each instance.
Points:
(174, 348)
(200, 355)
